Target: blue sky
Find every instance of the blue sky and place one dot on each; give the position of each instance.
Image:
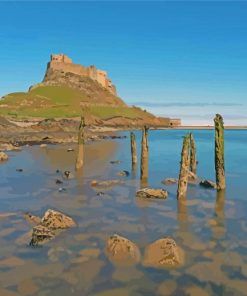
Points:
(181, 59)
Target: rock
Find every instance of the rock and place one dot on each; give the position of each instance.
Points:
(59, 181)
(56, 220)
(3, 156)
(152, 193)
(208, 184)
(41, 234)
(43, 145)
(19, 170)
(108, 183)
(115, 161)
(163, 253)
(122, 250)
(8, 147)
(169, 181)
(70, 149)
(32, 219)
(68, 175)
(100, 193)
(61, 189)
(123, 173)
(50, 226)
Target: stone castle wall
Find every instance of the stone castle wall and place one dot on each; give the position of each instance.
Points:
(63, 63)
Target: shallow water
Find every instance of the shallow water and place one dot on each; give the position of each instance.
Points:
(211, 228)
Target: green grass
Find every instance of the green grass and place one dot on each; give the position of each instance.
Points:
(59, 102)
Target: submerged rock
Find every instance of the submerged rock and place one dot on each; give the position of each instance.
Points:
(115, 161)
(43, 145)
(19, 170)
(3, 156)
(208, 184)
(107, 183)
(68, 175)
(121, 250)
(59, 181)
(163, 253)
(50, 226)
(123, 173)
(70, 149)
(152, 193)
(169, 181)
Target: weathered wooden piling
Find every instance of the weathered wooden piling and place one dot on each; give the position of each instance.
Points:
(219, 152)
(144, 155)
(184, 169)
(80, 155)
(192, 154)
(133, 148)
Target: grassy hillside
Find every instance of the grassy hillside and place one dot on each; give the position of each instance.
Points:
(60, 101)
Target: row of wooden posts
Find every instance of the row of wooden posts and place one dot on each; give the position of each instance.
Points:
(188, 156)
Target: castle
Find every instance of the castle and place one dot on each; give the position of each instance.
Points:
(63, 63)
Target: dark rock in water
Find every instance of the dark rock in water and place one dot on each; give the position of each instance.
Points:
(19, 170)
(169, 181)
(208, 184)
(3, 156)
(68, 175)
(59, 181)
(123, 173)
(100, 193)
(49, 226)
(108, 183)
(57, 171)
(115, 161)
(152, 193)
(163, 253)
(121, 250)
(41, 235)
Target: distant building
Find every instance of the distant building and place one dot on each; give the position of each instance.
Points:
(63, 63)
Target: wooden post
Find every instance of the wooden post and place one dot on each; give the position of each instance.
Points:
(192, 154)
(184, 169)
(80, 155)
(133, 148)
(219, 152)
(144, 155)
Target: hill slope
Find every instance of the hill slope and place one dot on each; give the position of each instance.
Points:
(69, 90)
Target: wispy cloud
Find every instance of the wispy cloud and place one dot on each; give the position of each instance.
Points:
(185, 104)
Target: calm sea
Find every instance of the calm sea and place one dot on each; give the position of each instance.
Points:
(210, 228)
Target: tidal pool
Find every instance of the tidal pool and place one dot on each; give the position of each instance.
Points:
(210, 227)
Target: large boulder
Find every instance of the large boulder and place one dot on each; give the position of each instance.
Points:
(3, 156)
(208, 184)
(121, 250)
(163, 253)
(152, 193)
